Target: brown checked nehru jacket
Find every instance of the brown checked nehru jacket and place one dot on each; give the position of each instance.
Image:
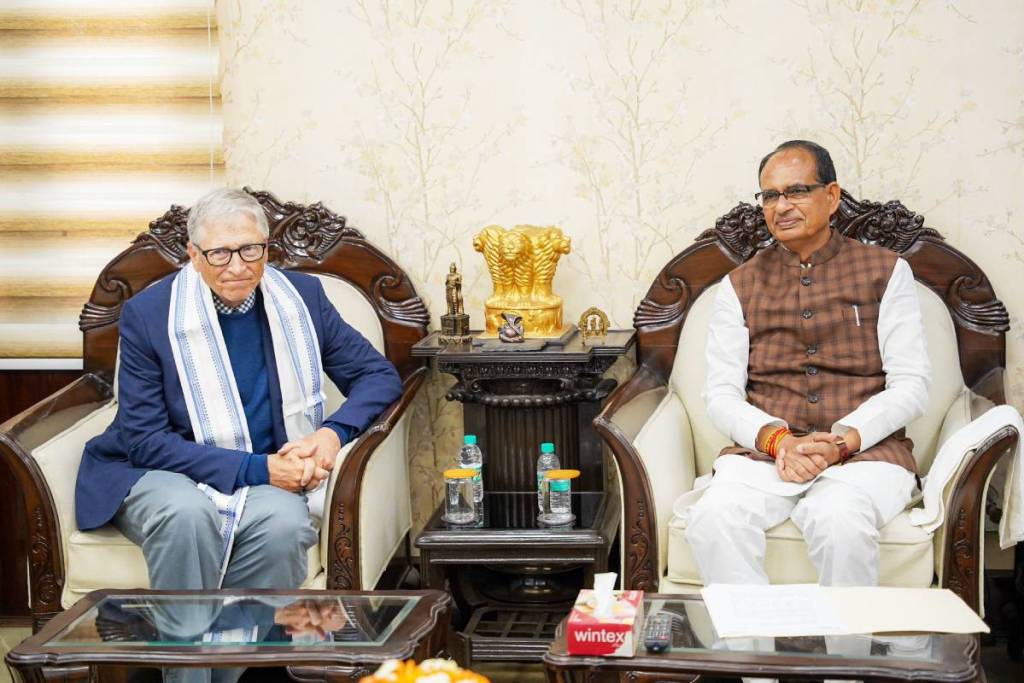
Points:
(814, 354)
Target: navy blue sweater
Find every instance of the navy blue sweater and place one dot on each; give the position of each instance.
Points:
(243, 337)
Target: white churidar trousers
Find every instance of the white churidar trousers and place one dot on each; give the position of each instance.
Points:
(839, 515)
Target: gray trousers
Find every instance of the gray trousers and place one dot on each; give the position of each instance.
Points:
(178, 528)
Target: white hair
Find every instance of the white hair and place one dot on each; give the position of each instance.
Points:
(221, 203)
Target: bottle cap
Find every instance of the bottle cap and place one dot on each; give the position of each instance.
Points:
(562, 474)
(469, 439)
(547, 447)
(459, 474)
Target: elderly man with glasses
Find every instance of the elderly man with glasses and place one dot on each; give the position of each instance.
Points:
(816, 363)
(216, 461)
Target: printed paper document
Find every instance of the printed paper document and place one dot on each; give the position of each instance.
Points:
(809, 610)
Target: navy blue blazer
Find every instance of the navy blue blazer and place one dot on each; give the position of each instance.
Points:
(152, 430)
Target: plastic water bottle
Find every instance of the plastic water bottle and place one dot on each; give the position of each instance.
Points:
(559, 502)
(472, 458)
(547, 461)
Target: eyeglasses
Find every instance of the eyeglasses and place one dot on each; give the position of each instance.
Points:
(221, 256)
(796, 194)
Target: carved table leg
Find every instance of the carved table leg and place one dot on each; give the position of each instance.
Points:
(432, 575)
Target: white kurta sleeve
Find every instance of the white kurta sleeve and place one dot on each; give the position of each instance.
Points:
(904, 360)
(725, 388)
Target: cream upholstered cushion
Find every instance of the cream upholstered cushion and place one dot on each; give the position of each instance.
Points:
(670, 469)
(384, 508)
(357, 312)
(906, 552)
(687, 381)
(58, 461)
(104, 558)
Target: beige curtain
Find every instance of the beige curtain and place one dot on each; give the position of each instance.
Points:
(109, 112)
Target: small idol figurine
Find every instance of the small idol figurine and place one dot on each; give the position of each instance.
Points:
(455, 322)
(512, 329)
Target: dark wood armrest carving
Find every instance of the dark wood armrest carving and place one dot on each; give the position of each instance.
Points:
(19, 436)
(963, 563)
(343, 571)
(641, 381)
(55, 413)
(640, 525)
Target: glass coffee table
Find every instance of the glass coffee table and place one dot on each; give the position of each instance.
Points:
(317, 634)
(698, 651)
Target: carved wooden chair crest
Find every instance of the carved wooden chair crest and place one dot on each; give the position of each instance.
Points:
(656, 426)
(43, 445)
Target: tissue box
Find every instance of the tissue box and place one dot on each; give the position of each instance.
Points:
(615, 636)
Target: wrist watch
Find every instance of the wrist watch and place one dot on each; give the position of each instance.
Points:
(844, 450)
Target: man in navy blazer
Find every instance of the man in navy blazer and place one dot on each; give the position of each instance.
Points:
(142, 473)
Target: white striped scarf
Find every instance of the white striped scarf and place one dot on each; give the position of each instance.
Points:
(208, 382)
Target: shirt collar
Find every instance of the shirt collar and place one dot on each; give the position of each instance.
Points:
(240, 309)
(826, 252)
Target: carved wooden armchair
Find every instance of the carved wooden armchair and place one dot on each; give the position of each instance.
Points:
(657, 427)
(367, 514)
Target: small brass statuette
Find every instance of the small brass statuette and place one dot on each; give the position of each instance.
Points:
(512, 329)
(593, 323)
(522, 264)
(454, 323)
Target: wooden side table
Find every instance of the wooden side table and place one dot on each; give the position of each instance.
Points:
(513, 579)
(516, 397)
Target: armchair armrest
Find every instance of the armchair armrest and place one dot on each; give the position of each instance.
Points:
(342, 562)
(19, 437)
(961, 537)
(629, 410)
(38, 424)
(992, 386)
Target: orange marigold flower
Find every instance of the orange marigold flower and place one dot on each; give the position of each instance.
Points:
(428, 671)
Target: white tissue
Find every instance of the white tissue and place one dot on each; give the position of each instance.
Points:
(604, 598)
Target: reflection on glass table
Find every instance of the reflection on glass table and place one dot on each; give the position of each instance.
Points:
(693, 631)
(264, 620)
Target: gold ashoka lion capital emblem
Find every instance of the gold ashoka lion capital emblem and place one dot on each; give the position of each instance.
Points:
(522, 264)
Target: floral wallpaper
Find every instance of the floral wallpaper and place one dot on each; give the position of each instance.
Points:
(631, 124)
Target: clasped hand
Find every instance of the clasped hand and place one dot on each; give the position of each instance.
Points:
(311, 617)
(802, 458)
(304, 464)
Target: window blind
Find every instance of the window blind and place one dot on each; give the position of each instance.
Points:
(109, 113)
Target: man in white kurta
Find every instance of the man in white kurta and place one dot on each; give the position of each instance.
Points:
(816, 363)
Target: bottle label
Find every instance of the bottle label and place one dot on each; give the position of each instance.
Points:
(559, 485)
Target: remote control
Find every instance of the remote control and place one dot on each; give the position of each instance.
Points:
(658, 632)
